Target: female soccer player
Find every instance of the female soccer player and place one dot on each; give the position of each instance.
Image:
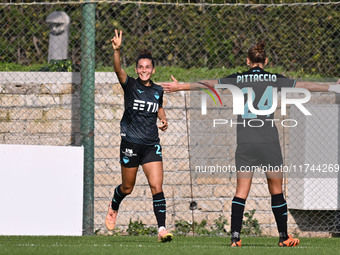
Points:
(140, 142)
(257, 146)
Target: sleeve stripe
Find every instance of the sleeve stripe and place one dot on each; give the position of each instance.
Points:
(294, 84)
(127, 78)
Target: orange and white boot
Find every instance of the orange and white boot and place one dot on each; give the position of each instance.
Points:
(110, 219)
(235, 243)
(289, 242)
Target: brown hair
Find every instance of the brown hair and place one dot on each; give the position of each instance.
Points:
(145, 54)
(257, 53)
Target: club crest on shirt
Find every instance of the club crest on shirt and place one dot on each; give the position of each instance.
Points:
(126, 159)
(157, 95)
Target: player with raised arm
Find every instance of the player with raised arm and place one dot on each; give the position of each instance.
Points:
(143, 101)
(257, 146)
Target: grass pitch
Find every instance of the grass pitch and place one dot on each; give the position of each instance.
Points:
(148, 245)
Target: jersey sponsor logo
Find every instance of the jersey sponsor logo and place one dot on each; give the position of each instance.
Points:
(157, 95)
(140, 91)
(140, 105)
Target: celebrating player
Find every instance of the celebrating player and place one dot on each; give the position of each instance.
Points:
(257, 146)
(140, 142)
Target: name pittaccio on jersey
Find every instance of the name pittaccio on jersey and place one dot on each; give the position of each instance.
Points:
(248, 128)
(141, 103)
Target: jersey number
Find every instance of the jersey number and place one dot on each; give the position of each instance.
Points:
(265, 102)
(158, 152)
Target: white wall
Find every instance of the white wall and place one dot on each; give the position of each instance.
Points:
(41, 190)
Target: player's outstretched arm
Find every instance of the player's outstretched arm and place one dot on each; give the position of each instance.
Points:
(318, 87)
(177, 86)
(164, 123)
(116, 43)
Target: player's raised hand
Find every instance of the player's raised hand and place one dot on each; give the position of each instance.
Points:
(171, 86)
(117, 40)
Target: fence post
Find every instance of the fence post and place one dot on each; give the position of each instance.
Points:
(87, 111)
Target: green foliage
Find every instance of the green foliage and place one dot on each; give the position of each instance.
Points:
(55, 66)
(137, 228)
(183, 227)
(251, 226)
(162, 74)
(302, 39)
(64, 65)
(200, 228)
(13, 67)
(219, 226)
